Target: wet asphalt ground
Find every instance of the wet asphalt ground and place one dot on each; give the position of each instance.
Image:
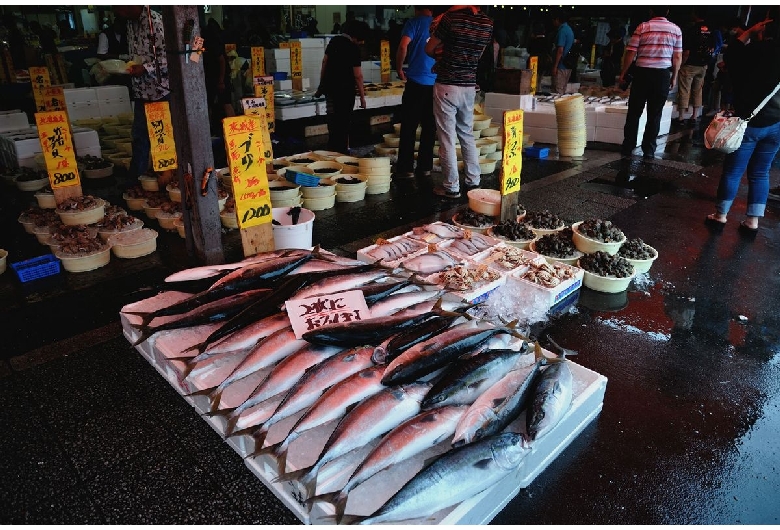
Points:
(689, 432)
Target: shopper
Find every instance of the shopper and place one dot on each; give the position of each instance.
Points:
(112, 41)
(564, 40)
(754, 62)
(656, 45)
(217, 75)
(699, 47)
(612, 57)
(340, 77)
(458, 40)
(417, 102)
(146, 43)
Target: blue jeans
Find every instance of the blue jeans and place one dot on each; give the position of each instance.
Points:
(142, 147)
(758, 150)
(453, 108)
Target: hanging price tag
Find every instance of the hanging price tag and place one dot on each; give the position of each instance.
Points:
(39, 76)
(264, 88)
(308, 314)
(384, 58)
(57, 146)
(52, 69)
(258, 61)
(244, 146)
(54, 98)
(9, 62)
(256, 107)
(512, 161)
(160, 129)
(61, 68)
(533, 65)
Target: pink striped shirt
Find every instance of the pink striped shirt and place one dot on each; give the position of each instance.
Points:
(654, 42)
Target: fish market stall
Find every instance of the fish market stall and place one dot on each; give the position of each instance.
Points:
(375, 412)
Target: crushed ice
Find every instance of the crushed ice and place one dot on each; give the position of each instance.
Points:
(514, 301)
(628, 328)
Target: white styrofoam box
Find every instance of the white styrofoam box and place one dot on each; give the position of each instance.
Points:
(393, 100)
(421, 248)
(279, 66)
(27, 148)
(306, 83)
(543, 135)
(311, 42)
(540, 118)
(91, 151)
(12, 122)
(292, 112)
(85, 138)
(551, 296)
(590, 133)
(112, 92)
(371, 102)
(27, 162)
(285, 84)
(496, 113)
(321, 108)
(277, 53)
(509, 101)
(79, 95)
(83, 110)
(114, 107)
(11, 111)
(611, 135)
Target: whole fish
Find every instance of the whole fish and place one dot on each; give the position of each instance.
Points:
(284, 375)
(444, 230)
(267, 270)
(311, 386)
(452, 478)
(464, 381)
(393, 304)
(428, 356)
(342, 282)
(430, 262)
(318, 265)
(500, 405)
(215, 311)
(551, 399)
(370, 419)
(400, 342)
(208, 271)
(332, 405)
(267, 353)
(417, 434)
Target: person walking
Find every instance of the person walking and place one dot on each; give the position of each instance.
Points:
(699, 47)
(145, 43)
(657, 47)
(612, 57)
(754, 62)
(564, 40)
(340, 76)
(417, 101)
(458, 40)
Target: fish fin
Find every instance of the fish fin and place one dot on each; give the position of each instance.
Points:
(560, 350)
(216, 398)
(328, 497)
(203, 392)
(301, 476)
(146, 317)
(281, 455)
(482, 464)
(259, 435)
(266, 450)
(351, 519)
(145, 334)
(230, 427)
(200, 348)
(512, 327)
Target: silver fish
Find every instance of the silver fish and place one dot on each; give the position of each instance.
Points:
(551, 400)
(208, 271)
(343, 282)
(445, 231)
(370, 419)
(423, 431)
(430, 262)
(452, 478)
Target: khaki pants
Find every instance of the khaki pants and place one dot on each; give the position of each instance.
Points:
(560, 81)
(691, 79)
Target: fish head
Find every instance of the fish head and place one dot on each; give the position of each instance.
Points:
(508, 450)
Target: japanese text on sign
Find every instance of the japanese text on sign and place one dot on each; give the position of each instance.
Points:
(39, 76)
(533, 65)
(384, 58)
(312, 313)
(256, 107)
(258, 61)
(57, 146)
(163, 147)
(296, 59)
(512, 161)
(264, 88)
(244, 146)
(54, 98)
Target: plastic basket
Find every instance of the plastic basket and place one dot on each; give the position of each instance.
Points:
(302, 179)
(537, 152)
(36, 268)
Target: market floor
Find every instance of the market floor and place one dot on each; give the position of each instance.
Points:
(688, 434)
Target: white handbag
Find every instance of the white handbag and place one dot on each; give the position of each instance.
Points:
(725, 132)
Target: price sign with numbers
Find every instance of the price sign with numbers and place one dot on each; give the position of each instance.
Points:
(264, 88)
(512, 161)
(256, 107)
(533, 64)
(244, 146)
(308, 314)
(296, 60)
(158, 124)
(57, 146)
(384, 58)
(258, 61)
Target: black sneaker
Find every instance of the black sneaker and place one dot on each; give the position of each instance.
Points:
(470, 187)
(442, 192)
(774, 194)
(403, 176)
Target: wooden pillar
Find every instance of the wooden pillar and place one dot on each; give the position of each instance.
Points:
(190, 118)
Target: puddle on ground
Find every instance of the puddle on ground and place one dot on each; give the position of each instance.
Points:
(629, 186)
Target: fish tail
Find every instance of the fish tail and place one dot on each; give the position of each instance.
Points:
(280, 452)
(232, 421)
(200, 348)
(560, 350)
(265, 450)
(146, 332)
(306, 476)
(337, 498)
(216, 398)
(259, 435)
(352, 519)
(204, 392)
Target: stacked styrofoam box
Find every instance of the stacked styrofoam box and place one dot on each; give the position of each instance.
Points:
(277, 60)
(12, 121)
(312, 53)
(86, 141)
(293, 112)
(371, 72)
(113, 100)
(283, 84)
(82, 103)
(321, 108)
(610, 122)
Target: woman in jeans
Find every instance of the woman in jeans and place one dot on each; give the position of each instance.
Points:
(754, 62)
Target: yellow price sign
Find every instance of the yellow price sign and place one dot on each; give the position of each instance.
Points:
(230, 48)
(533, 65)
(512, 160)
(384, 57)
(264, 88)
(244, 146)
(9, 62)
(256, 107)
(54, 98)
(52, 68)
(57, 146)
(258, 61)
(160, 129)
(284, 45)
(296, 60)
(39, 76)
(61, 67)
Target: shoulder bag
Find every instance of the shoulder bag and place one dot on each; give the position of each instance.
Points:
(725, 132)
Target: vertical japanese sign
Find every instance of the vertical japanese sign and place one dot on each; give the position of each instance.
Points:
(264, 88)
(39, 77)
(52, 69)
(163, 147)
(230, 48)
(244, 146)
(284, 45)
(256, 107)
(258, 61)
(593, 56)
(10, 64)
(512, 161)
(296, 65)
(61, 67)
(384, 59)
(57, 146)
(533, 65)
(54, 98)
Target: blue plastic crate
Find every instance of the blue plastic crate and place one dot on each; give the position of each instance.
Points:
(36, 268)
(302, 179)
(537, 152)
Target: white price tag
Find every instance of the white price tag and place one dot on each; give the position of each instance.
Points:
(308, 314)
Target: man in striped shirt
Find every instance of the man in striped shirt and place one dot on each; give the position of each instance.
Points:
(463, 32)
(657, 47)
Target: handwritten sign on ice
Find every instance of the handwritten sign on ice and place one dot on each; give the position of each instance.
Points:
(308, 314)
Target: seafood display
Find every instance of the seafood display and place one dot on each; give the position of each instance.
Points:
(463, 278)
(473, 245)
(430, 262)
(508, 258)
(556, 245)
(544, 220)
(514, 230)
(469, 217)
(604, 264)
(85, 202)
(548, 274)
(600, 230)
(636, 249)
(395, 250)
